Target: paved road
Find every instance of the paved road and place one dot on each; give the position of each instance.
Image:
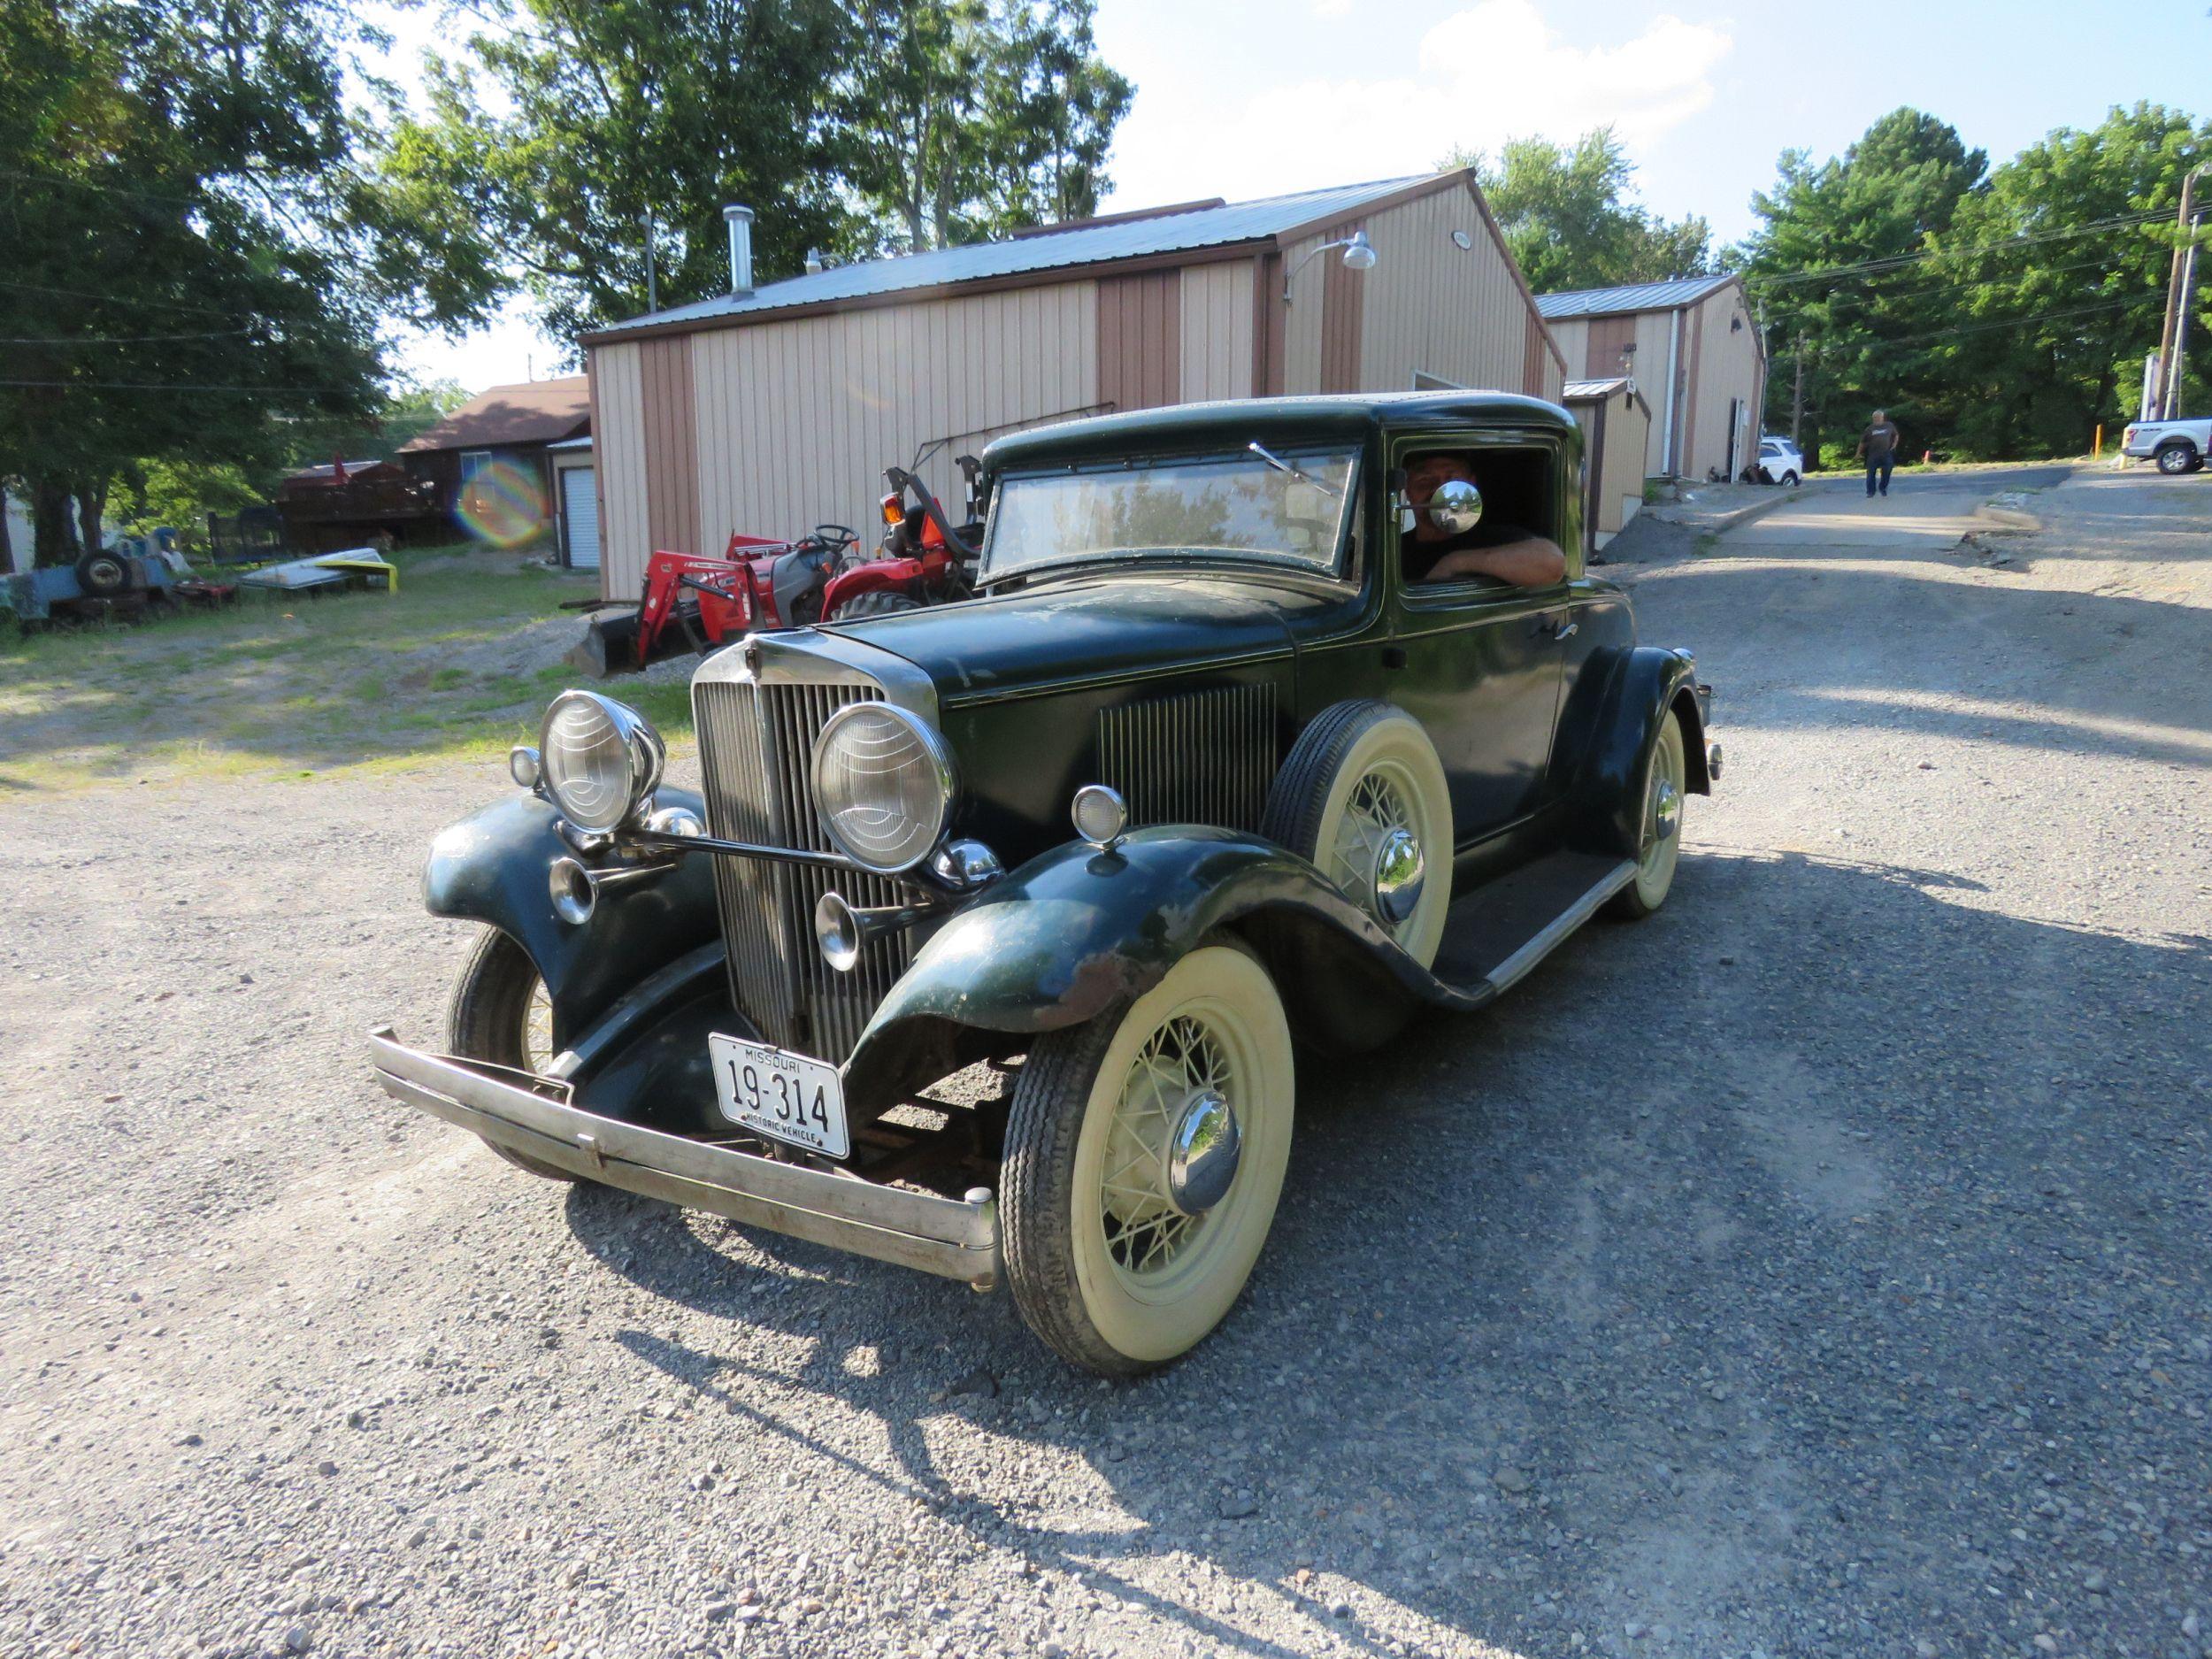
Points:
(1817, 1268)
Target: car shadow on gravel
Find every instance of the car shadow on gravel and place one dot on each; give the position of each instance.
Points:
(1819, 1266)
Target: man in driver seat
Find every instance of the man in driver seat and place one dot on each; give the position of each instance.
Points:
(1503, 551)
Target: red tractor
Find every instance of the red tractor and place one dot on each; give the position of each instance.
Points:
(695, 602)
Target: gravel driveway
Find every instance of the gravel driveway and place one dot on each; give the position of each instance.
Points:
(1817, 1268)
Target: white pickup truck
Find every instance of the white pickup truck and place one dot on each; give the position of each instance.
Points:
(2177, 446)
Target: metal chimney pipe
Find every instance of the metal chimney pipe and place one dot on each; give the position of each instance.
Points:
(739, 220)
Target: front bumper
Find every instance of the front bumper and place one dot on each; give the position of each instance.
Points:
(953, 1238)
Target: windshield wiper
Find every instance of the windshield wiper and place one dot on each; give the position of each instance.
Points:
(1281, 466)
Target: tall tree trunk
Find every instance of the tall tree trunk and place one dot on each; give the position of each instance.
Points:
(91, 503)
(53, 525)
(7, 542)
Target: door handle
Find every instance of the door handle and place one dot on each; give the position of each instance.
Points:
(1565, 630)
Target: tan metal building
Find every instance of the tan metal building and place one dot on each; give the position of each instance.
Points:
(772, 409)
(1694, 345)
(1615, 424)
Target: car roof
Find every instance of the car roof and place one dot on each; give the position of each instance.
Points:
(1274, 419)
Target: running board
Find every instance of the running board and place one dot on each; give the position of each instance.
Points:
(1497, 933)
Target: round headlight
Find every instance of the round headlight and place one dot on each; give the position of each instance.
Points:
(883, 783)
(600, 760)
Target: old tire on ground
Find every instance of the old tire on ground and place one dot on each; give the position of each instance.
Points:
(1112, 1262)
(2178, 457)
(1361, 780)
(500, 1014)
(879, 603)
(1659, 845)
(103, 575)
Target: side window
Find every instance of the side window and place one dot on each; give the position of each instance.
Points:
(1520, 505)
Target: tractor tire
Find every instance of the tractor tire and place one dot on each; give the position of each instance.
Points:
(103, 575)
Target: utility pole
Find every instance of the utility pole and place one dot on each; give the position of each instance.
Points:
(2169, 369)
(652, 278)
(2172, 411)
(1797, 397)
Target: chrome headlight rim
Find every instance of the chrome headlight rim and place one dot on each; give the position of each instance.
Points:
(645, 756)
(937, 754)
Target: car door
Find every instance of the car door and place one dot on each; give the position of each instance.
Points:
(1478, 664)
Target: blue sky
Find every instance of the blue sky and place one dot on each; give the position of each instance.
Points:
(1244, 97)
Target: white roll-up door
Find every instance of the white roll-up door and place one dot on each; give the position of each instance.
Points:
(580, 506)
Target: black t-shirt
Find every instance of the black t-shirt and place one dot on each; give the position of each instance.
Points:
(1420, 558)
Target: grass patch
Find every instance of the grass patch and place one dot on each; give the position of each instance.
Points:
(458, 661)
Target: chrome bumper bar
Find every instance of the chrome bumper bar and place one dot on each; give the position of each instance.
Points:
(951, 1237)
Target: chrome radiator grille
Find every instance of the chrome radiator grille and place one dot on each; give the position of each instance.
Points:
(1196, 757)
(754, 746)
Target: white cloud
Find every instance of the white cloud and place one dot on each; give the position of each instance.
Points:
(1496, 70)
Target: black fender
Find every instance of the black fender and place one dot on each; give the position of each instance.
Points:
(1624, 694)
(494, 868)
(1078, 932)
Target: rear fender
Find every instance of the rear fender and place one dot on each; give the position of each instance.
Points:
(1079, 932)
(496, 868)
(1617, 727)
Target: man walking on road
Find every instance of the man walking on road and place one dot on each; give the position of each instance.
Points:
(1878, 445)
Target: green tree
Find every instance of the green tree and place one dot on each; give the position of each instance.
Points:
(185, 278)
(962, 121)
(2060, 268)
(848, 127)
(1570, 216)
(1833, 268)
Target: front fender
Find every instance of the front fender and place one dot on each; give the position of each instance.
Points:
(1641, 687)
(1078, 932)
(494, 868)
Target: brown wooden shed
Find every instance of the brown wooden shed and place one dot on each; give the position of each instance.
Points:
(769, 411)
(509, 426)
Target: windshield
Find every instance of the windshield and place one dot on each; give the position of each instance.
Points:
(1280, 504)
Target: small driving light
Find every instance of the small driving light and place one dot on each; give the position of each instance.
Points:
(524, 766)
(1100, 814)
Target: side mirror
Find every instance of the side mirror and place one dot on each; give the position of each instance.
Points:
(1457, 507)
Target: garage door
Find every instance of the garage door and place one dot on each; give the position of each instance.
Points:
(580, 506)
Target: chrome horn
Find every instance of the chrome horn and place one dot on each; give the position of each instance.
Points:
(575, 886)
(843, 931)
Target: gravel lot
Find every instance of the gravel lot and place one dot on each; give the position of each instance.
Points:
(1819, 1268)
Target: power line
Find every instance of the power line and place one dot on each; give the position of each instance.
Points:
(103, 189)
(2014, 322)
(1898, 261)
(144, 386)
(118, 299)
(128, 339)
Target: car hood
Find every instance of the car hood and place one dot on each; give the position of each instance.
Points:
(1088, 628)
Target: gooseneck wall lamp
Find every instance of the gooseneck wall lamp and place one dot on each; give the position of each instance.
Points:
(1359, 255)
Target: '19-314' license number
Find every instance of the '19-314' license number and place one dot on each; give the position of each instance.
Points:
(786, 1096)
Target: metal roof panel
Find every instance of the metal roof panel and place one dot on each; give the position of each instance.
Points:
(1081, 245)
(1636, 296)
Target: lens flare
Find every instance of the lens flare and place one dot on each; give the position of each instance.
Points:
(502, 503)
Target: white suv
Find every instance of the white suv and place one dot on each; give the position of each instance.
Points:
(1780, 462)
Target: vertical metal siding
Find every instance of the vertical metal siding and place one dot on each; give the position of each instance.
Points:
(1455, 312)
(1139, 340)
(1726, 366)
(672, 449)
(619, 448)
(1218, 330)
(796, 420)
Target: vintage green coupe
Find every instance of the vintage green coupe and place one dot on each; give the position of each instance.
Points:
(1308, 797)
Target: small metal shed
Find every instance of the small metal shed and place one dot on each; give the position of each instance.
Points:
(1615, 424)
(1695, 344)
(769, 409)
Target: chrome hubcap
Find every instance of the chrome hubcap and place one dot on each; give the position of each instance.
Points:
(1666, 810)
(1399, 871)
(1202, 1152)
(1172, 1151)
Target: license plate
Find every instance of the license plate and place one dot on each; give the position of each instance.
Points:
(785, 1096)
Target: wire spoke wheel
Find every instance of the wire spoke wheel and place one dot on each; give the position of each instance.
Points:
(1144, 1155)
(501, 1013)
